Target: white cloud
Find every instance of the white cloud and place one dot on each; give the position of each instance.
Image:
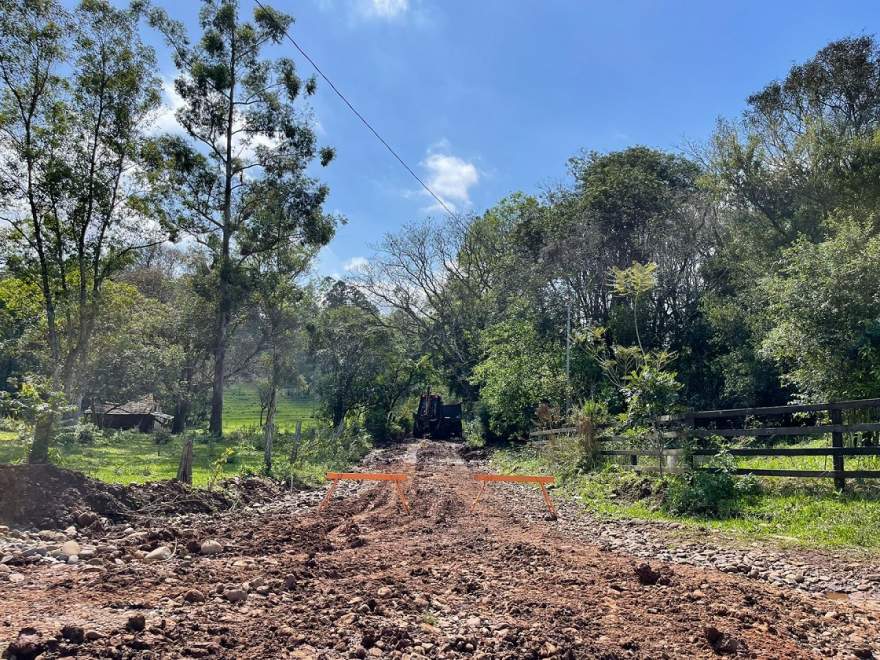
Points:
(384, 9)
(355, 264)
(450, 177)
(165, 121)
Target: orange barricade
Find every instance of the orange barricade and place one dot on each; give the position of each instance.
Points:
(516, 479)
(336, 477)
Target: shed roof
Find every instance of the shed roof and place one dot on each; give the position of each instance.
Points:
(144, 406)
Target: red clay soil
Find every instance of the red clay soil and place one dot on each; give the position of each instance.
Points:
(362, 579)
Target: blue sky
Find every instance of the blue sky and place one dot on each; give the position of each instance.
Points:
(486, 97)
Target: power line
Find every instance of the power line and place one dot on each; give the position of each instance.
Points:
(361, 117)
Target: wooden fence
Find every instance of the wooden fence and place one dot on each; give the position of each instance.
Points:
(696, 429)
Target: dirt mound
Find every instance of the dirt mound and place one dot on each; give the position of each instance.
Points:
(166, 498)
(47, 497)
(250, 490)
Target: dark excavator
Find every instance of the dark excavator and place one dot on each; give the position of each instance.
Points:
(437, 420)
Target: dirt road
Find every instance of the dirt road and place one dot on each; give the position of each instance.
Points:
(365, 580)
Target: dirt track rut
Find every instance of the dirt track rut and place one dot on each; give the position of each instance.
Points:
(362, 579)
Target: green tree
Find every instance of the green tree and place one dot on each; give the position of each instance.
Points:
(518, 371)
(349, 351)
(77, 92)
(824, 323)
(239, 185)
(279, 297)
(804, 152)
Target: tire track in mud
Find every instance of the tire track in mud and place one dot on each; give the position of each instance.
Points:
(363, 579)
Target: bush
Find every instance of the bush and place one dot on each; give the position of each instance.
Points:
(590, 419)
(246, 437)
(83, 433)
(161, 436)
(715, 492)
(472, 430)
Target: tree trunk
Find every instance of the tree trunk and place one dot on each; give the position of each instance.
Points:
(181, 412)
(216, 423)
(269, 429)
(224, 306)
(42, 439)
(185, 470)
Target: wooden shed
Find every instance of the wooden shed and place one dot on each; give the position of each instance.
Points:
(142, 415)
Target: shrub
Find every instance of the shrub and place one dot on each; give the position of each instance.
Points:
(246, 437)
(472, 430)
(714, 492)
(161, 436)
(589, 420)
(82, 433)
(217, 466)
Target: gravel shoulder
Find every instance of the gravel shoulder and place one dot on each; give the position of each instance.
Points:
(841, 576)
(363, 579)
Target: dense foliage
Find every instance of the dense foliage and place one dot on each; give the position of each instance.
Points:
(745, 272)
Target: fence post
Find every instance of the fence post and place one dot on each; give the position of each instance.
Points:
(689, 424)
(837, 442)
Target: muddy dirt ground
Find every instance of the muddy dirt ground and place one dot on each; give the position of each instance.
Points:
(363, 579)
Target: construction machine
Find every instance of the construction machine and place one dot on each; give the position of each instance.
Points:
(437, 420)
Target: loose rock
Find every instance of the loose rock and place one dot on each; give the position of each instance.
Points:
(136, 623)
(162, 553)
(211, 547)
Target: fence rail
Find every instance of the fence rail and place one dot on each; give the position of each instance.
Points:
(687, 428)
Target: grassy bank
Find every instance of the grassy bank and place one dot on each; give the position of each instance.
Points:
(129, 457)
(135, 458)
(786, 511)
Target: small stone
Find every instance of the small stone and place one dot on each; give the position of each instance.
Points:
(383, 592)
(211, 547)
(646, 574)
(93, 635)
(73, 634)
(73, 559)
(136, 623)
(70, 548)
(194, 596)
(721, 642)
(28, 644)
(235, 595)
(86, 519)
(162, 553)
(346, 620)
(16, 578)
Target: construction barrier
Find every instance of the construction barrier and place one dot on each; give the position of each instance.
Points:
(541, 480)
(336, 477)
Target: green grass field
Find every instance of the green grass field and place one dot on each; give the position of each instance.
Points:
(130, 457)
(241, 409)
(790, 512)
